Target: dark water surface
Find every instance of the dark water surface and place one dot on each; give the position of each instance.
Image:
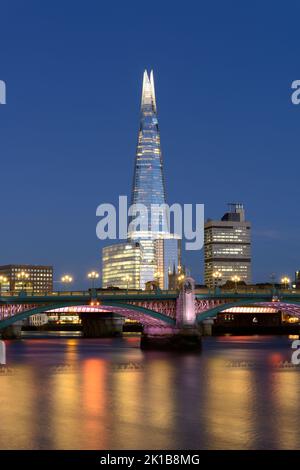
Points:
(74, 393)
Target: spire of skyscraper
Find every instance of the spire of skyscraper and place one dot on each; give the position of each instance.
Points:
(148, 91)
(148, 183)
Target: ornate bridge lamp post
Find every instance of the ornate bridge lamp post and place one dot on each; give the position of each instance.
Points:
(2, 280)
(285, 281)
(217, 275)
(67, 279)
(93, 275)
(22, 276)
(127, 279)
(236, 279)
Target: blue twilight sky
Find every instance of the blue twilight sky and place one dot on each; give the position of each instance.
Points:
(229, 132)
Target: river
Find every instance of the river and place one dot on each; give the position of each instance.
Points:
(75, 393)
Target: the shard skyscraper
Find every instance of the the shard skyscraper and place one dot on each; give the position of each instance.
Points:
(148, 182)
(150, 251)
(149, 189)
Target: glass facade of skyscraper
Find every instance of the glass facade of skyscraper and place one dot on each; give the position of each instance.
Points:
(121, 264)
(167, 254)
(148, 190)
(148, 183)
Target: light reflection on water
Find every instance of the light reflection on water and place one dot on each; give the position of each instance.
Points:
(74, 393)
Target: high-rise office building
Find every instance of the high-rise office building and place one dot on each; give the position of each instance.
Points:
(297, 279)
(227, 247)
(30, 278)
(148, 182)
(149, 190)
(121, 264)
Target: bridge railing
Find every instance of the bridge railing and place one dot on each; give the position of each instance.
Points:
(219, 292)
(88, 293)
(245, 291)
(43, 294)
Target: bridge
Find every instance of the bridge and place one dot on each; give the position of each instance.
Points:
(208, 305)
(165, 315)
(168, 317)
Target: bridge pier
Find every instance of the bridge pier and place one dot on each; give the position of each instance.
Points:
(171, 339)
(185, 336)
(206, 327)
(12, 332)
(101, 325)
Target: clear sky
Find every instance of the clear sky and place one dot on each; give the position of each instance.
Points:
(229, 132)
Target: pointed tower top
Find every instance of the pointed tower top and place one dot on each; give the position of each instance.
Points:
(148, 93)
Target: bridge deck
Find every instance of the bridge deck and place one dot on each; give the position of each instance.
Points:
(60, 296)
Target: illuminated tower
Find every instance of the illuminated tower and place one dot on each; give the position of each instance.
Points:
(148, 182)
(227, 247)
(151, 249)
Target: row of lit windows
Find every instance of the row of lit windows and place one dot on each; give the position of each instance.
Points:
(250, 310)
(230, 269)
(243, 250)
(31, 270)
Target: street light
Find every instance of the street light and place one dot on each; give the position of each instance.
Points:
(235, 279)
(93, 275)
(22, 276)
(2, 279)
(67, 279)
(180, 278)
(127, 279)
(285, 281)
(217, 275)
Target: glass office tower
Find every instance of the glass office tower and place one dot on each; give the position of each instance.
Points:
(121, 265)
(149, 190)
(148, 183)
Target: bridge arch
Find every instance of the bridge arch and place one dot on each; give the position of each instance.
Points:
(289, 307)
(143, 315)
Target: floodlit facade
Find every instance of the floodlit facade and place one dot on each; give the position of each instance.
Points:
(227, 247)
(121, 265)
(30, 278)
(38, 319)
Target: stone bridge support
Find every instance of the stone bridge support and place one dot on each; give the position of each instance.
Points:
(13, 331)
(101, 325)
(185, 336)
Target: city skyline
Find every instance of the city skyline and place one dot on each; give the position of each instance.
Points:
(150, 238)
(51, 152)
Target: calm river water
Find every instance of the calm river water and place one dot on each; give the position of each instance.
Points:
(74, 393)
